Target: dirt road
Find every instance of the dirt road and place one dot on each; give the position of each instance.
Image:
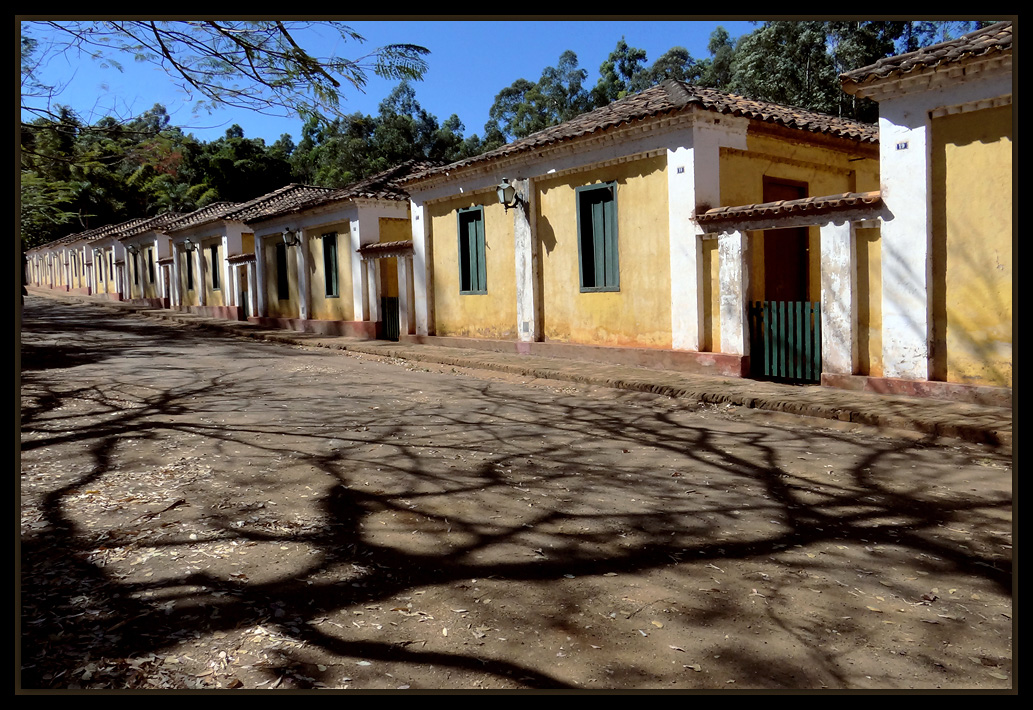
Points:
(205, 512)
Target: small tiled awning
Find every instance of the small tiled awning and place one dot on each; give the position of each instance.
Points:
(765, 215)
(384, 250)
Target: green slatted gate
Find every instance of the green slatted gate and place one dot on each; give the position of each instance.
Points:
(785, 341)
(389, 314)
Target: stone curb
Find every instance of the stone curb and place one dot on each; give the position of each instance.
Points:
(934, 418)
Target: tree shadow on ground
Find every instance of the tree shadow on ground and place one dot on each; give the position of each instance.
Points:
(608, 489)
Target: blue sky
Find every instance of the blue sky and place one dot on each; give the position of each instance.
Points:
(469, 63)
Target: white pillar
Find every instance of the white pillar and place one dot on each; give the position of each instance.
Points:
(904, 163)
(254, 288)
(406, 316)
(227, 270)
(838, 299)
(202, 287)
(302, 261)
(734, 275)
(685, 250)
(360, 286)
(422, 292)
(528, 283)
(372, 282)
(259, 280)
(125, 284)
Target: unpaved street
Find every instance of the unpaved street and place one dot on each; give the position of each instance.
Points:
(200, 511)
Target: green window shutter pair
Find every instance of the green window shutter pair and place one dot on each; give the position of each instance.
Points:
(283, 287)
(214, 250)
(473, 272)
(597, 237)
(330, 264)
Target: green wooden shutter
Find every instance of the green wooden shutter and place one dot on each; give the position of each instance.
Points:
(214, 249)
(473, 270)
(482, 267)
(283, 288)
(330, 264)
(597, 238)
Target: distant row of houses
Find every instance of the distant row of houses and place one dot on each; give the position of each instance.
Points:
(680, 227)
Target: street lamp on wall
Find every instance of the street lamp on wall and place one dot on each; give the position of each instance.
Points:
(290, 238)
(507, 193)
(132, 249)
(188, 245)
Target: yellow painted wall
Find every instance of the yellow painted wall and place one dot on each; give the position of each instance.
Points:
(323, 307)
(392, 230)
(214, 296)
(869, 302)
(972, 247)
(288, 308)
(711, 298)
(639, 314)
(489, 315)
(190, 296)
(150, 285)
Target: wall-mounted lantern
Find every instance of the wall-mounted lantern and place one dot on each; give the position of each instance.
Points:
(188, 245)
(132, 249)
(507, 193)
(290, 238)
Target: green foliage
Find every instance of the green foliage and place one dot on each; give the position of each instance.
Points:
(257, 65)
(799, 62)
(524, 108)
(618, 73)
(787, 62)
(44, 208)
(338, 152)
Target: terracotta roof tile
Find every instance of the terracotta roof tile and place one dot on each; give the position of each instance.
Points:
(155, 223)
(989, 40)
(386, 185)
(670, 97)
(207, 213)
(285, 199)
(385, 247)
(805, 205)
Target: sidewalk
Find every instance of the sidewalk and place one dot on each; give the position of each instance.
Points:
(937, 418)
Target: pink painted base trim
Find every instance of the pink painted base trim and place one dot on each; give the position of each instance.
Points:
(955, 392)
(348, 329)
(718, 364)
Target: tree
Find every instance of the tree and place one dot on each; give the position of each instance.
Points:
(619, 73)
(676, 63)
(258, 65)
(717, 70)
(524, 107)
(799, 62)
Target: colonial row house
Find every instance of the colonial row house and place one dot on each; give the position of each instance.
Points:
(89, 263)
(689, 228)
(600, 253)
(681, 227)
(301, 257)
(945, 122)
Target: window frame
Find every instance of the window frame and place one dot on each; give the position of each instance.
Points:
(604, 248)
(213, 255)
(472, 258)
(283, 280)
(331, 266)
